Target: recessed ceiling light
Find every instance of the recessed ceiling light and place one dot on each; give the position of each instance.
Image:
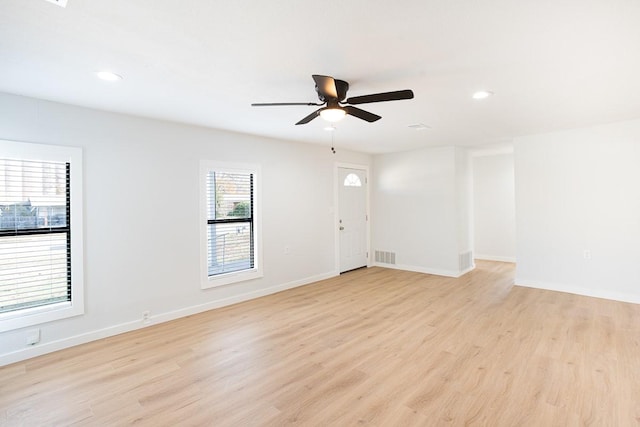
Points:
(108, 76)
(61, 3)
(419, 126)
(482, 94)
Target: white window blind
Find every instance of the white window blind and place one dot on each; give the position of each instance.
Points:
(230, 222)
(35, 234)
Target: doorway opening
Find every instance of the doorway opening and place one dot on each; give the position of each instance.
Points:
(352, 217)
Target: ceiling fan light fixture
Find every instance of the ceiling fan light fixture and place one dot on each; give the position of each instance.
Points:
(332, 114)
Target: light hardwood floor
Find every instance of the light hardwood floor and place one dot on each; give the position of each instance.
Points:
(375, 346)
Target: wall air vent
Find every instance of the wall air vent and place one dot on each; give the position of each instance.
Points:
(386, 257)
(465, 260)
(61, 3)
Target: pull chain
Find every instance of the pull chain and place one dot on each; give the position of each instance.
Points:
(333, 148)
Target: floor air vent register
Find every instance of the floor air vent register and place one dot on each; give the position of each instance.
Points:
(386, 257)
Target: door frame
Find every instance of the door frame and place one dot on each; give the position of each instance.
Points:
(336, 211)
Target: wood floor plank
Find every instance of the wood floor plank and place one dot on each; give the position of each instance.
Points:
(371, 347)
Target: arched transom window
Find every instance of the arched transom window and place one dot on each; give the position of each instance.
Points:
(352, 180)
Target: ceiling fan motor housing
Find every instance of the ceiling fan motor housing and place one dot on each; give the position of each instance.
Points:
(342, 88)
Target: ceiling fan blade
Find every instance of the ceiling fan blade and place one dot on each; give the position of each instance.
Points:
(326, 86)
(279, 104)
(381, 97)
(361, 114)
(309, 118)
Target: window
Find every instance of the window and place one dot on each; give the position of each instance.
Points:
(40, 234)
(352, 180)
(230, 206)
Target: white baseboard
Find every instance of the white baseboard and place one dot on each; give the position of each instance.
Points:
(86, 337)
(463, 272)
(579, 290)
(188, 311)
(495, 258)
(434, 271)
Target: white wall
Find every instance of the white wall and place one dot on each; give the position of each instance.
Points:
(579, 191)
(415, 208)
(494, 207)
(142, 215)
(464, 202)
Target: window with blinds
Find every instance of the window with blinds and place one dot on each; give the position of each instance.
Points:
(35, 234)
(230, 222)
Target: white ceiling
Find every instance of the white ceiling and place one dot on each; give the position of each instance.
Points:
(553, 64)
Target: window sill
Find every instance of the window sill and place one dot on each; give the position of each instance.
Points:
(37, 315)
(230, 278)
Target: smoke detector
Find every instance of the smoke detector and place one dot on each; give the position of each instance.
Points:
(61, 3)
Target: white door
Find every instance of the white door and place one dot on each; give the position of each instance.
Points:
(352, 216)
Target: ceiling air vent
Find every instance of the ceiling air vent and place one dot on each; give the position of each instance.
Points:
(419, 126)
(61, 3)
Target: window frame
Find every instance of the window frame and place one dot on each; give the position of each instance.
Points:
(47, 313)
(256, 272)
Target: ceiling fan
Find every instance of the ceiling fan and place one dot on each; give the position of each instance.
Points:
(332, 93)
